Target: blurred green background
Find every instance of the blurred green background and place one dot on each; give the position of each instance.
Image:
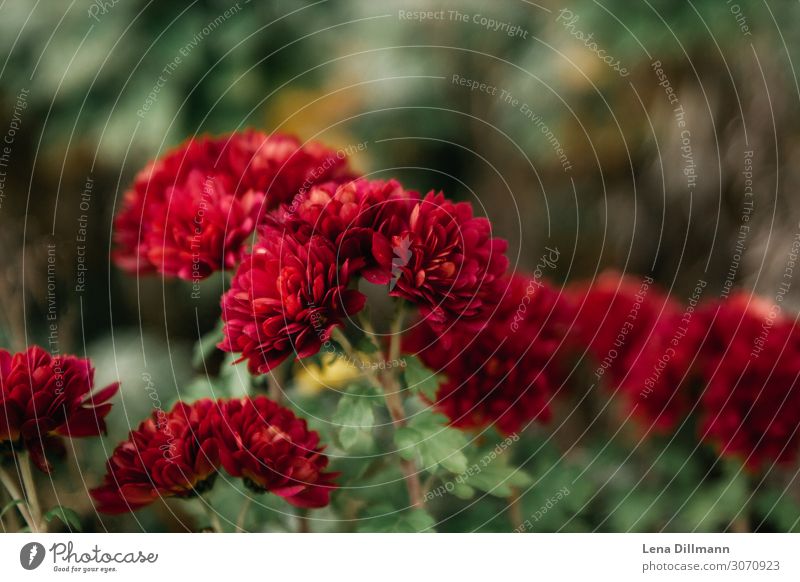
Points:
(93, 90)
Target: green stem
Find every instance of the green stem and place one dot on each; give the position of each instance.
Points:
(242, 518)
(213, 516)
(29, 484)
(11, 486)
(390, 387)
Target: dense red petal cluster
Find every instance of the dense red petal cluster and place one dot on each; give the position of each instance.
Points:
(750, 407)
(644, 342)
(44, 397)
(190, 212)
(449, 263)
(359, 217)
(286, 298)
(507, 373)
(179, 453)
(274, 451)
(170, 455)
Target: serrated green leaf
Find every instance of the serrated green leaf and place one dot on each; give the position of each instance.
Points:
(354, 411)
(497, 479)
(67, 516)
(419, 379)
(428, 439)
(355, 416)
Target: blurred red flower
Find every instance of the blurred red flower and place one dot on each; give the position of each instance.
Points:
(190, 212)
(172, 454)
(273, 450)
(643, 341)
(286, 297)
(44, 397)
(507, 372)
(751, 404)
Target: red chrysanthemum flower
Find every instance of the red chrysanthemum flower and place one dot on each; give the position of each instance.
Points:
(616, 315)
(43, 398)
(751, 405)
(190, 212)
(448, 262)
(507, 373)
(360, 217)
(172, 454)
(273, 450)
(287, 297)
(644, 343)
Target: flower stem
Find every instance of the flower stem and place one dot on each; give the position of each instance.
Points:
(242, 518)
(515, 509)
(11, 486)
(212, 515)
(29, 484)
(390, 387)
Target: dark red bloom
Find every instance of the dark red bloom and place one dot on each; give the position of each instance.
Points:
(645, 344)
(190, 212)
(448, 264)
(273, 450)
(287, 297)
(507, 373)
(43, 398)
(616, 316)
(751, 404)
(359, 217)
(172, 454)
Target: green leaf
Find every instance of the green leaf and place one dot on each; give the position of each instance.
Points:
(428, 439)
(365, 345)
(419, 379)
(9, 505)
(498, 478)
(355, 415)
(463, 491)
(390, 521)
(66, 515)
